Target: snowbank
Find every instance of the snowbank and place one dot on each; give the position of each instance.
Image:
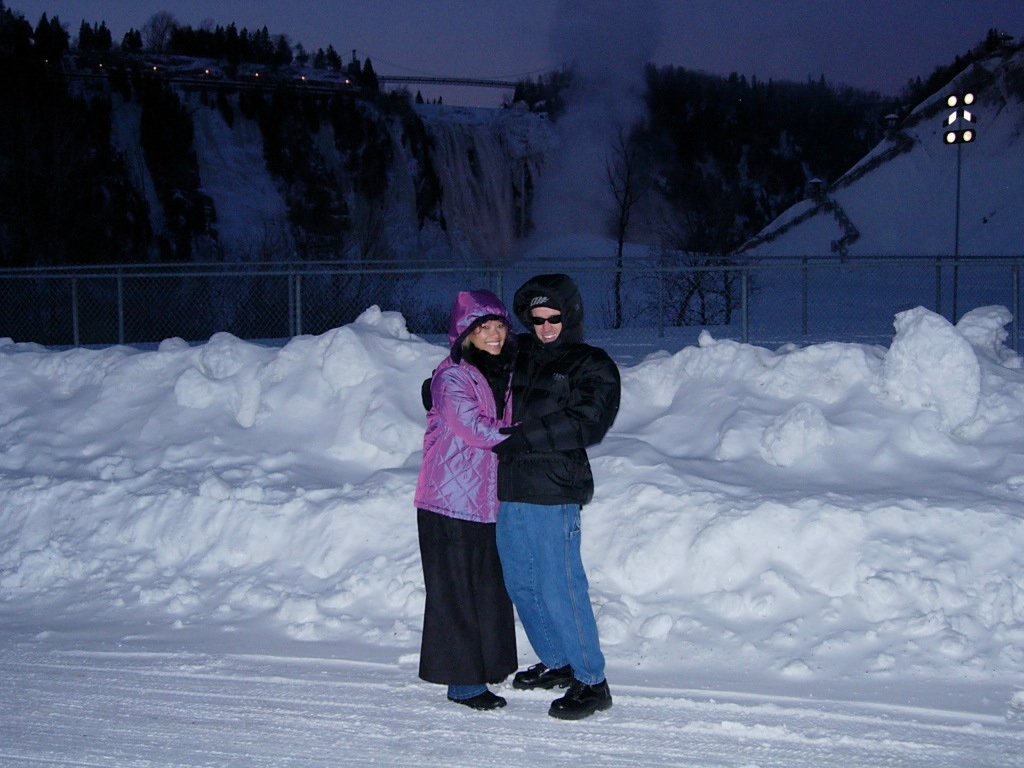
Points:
(827, 510)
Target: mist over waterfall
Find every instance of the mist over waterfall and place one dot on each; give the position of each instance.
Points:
(607, 44)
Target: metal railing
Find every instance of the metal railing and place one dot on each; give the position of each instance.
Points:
(765, 301)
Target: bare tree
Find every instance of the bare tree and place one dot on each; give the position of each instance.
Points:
(369, 230)
(695, 287)
(156, 32)
(626, 169)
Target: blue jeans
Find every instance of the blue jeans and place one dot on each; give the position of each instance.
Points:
(463, 692)
(539, 546)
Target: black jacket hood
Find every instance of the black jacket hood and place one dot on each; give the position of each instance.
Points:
(558, 292)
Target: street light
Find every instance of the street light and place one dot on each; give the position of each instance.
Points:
(958, 116)
(956, 133)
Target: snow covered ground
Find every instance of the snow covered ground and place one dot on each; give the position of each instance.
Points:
(190, 701)
(802, 556)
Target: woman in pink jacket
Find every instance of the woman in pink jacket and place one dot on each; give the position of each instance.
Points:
(468, 625)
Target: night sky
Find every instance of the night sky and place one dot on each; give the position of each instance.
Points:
(872, 44)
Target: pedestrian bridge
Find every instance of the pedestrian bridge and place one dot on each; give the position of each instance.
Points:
(472, 81)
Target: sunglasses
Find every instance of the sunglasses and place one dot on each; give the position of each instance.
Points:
(554, 320)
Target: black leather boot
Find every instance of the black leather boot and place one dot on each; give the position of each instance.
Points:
(485, 700)
(539, 676)
(581, 700)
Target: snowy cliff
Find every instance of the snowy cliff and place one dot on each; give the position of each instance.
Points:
(424, 181)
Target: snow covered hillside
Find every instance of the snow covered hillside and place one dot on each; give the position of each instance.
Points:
(901, 199)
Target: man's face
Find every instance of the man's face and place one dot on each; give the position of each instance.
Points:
(547, 323)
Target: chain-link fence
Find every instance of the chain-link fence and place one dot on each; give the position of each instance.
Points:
(767, 302)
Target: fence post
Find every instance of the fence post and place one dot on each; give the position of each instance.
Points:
(290, 293)
(1016, 306)
(743, 306)
(74, 312)
(661, 299)
(298, 306)
(803, 298)
(120, 307)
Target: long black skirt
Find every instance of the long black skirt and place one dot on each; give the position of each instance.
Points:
(469, 634)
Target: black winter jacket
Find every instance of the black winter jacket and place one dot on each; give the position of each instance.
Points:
(565, 395)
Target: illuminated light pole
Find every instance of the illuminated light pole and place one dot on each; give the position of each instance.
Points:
(954, 133)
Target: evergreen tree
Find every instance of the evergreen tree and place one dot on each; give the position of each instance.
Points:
(245, 47)
(368, 81)
(85, 37)
(65, 195)
(51, 39)
(738, 152)
(103, 39)
(132, 41)
(15, 40)
(332, 60)
(232, 45)
(262, 47)
(282, 56)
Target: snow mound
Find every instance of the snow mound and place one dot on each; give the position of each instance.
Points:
(832, 509)
(933, 366)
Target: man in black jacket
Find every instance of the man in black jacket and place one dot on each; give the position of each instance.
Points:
(565, 395)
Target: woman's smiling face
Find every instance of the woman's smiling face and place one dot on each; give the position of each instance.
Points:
(489, 337)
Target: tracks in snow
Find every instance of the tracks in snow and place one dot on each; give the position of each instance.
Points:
(135, 710)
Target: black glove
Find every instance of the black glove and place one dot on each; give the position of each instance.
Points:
(516, 441)
(428, 401)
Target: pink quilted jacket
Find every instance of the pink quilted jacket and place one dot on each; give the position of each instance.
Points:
(458, 476)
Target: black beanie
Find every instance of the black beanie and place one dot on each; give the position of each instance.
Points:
(551, 302)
